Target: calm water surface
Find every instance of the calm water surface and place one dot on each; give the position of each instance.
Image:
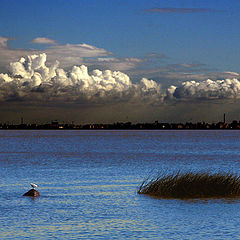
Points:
(88, 183)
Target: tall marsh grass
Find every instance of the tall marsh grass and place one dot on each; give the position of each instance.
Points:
(192, 185)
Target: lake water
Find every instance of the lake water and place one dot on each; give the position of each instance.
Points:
(88, 184)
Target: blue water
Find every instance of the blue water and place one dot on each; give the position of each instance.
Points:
(88, 184)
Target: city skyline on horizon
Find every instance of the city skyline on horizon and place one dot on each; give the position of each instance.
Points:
(23, 121)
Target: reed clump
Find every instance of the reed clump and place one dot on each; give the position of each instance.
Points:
(192, 185)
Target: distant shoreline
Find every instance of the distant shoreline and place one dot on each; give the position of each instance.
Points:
(55, 125)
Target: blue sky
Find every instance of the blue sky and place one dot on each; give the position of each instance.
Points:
(169, 42)
(127, 30)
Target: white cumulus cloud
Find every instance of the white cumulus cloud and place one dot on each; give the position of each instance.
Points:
(208, 89)
(31, 79)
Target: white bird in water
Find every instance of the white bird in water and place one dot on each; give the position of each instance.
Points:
(34, 185)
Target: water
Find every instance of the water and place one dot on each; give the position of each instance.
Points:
(88, 183)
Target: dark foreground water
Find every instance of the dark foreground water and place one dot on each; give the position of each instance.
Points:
(88, 183)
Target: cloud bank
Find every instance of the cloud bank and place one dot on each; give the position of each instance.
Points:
(206, 90)
(32, 80)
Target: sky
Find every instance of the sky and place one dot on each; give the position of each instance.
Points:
(106, 61)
